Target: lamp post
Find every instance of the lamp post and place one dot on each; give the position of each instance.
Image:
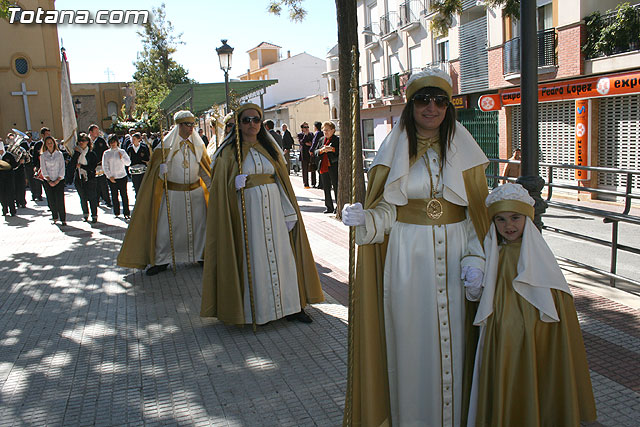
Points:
(224, 55)
(78, 105)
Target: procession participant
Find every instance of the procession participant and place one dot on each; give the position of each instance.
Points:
(153, 238)
(83, 163)
(203, 137)
(36, 184)
(424, 213)
(53, 169)
(114, 162)
(284, 275)
(7, 181)
(14, 146)
(99, 147)
(531, 366)
(140, 156)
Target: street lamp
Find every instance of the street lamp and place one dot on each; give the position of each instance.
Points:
(78, 105)
(224, 55)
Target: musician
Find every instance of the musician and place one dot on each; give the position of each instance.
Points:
(140, 155)
(114, 162)
(99, 147)
(155, 236)
(35, 184)
(7, 182)
(83, 163)
(20, 156)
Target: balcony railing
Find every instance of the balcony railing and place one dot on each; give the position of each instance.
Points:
(371, 90)
(391, 85)
(410, 12)
(371, 33)
(389, 23)
(427, 7)
(546, 51)
(607, 35)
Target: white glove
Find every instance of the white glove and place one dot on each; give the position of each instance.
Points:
(353, 215)
(291, 224)
(472, 277)
(241, 181)
(163, 169)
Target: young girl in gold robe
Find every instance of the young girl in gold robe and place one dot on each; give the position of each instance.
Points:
(531, 366)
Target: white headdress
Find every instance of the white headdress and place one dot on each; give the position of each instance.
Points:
(430, 77)
(538, 270)
(173, 139)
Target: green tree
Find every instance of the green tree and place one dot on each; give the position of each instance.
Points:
(4, 8)
(346, 14)
(156, 71)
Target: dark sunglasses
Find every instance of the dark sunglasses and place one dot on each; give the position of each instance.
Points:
(188, 124)
(254, 119)
(424, 99)
(304, 127)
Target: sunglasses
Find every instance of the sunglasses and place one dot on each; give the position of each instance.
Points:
(304, 127)
(228, 125)
(423, 100)
(254, 119)
(188, 124)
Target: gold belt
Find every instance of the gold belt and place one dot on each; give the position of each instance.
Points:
(174, 186)
(436, 211)
(256, 179)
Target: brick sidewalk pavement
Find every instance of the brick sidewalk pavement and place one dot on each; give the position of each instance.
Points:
(83, 342)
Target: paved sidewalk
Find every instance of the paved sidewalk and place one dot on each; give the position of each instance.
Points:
(83, 342)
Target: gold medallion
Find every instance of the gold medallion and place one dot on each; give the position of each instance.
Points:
(434, 209)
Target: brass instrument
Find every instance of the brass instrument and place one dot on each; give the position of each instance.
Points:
(21, 155)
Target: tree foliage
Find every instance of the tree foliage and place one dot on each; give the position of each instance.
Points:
(156, 71)
(296, 12)
(443, 20)
(511, 7)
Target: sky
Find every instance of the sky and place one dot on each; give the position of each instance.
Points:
(93, 49)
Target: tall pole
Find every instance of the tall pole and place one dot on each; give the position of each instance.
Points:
(530, 178)
(226, 90)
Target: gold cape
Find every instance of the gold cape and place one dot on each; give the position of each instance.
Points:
(222, 279)
(369, 399)
(139, 244)
(533, 373)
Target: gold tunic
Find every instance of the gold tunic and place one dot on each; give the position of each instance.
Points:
(533, 373)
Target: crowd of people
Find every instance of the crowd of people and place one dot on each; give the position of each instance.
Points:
(98, 171)
(461, 314)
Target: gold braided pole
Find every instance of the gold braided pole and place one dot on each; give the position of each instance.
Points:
(166, 199)
(355, 105)
(245, 228)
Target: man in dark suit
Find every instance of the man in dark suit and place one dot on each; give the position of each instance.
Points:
(269, 125)
(305, 138)
(99, 147)
(287, 145)
(317, 142)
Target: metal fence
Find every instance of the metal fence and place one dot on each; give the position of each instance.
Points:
(546, 51)
(608, 216)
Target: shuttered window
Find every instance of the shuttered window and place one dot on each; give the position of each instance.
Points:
(619, 139)
(556, 135)
(474, 63)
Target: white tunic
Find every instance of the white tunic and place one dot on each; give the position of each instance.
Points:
(188, 212)
(423, 305)
(273, 269)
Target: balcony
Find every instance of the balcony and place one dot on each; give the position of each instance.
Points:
(389, 25)
(372, 91)
(410, 14)
(613, 33)
(391, 86)
(546, 52)
(371, 35)
(427, 7)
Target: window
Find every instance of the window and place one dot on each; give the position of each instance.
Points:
(368, 140)
(545, 17)
(22, 65)
(333, 85)
(112, 108)
(414, 58)
(334, 113)
(442, 50)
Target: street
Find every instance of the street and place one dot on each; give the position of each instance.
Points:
(84, 342)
